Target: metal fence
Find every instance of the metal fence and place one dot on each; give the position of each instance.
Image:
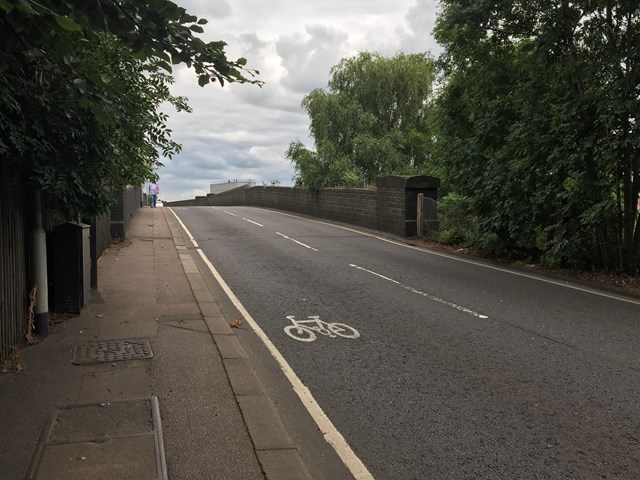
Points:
(13, 260)
(14, 252)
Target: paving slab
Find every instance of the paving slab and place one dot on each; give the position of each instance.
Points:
(114, 384)
(118, 439)
(263, 421)
(92, 420)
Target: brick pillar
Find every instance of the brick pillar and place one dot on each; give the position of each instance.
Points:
(398, 200)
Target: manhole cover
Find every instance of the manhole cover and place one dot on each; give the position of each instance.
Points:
(111, 351)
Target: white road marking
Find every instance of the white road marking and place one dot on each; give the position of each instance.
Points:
(299, 243)
(251, 221)
(232, 214)
(303, 330)
(331, 434)
(329, 431)
(471, 262)
(195, 244)
(427, 295)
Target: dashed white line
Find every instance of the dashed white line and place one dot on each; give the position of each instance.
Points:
(299, 243)
(427, 295)
(229, 213)
(251, 221)
(470, 262)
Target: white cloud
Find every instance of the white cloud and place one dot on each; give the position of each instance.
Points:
(243, 131)
(307, 58)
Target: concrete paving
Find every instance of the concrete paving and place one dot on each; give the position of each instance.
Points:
(194, 410)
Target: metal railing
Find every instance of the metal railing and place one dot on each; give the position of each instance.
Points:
(13, 261)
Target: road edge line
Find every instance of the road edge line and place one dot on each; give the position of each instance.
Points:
(329, 431)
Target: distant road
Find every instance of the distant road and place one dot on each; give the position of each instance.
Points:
(461, 369)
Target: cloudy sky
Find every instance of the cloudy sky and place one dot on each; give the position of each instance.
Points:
(242, 131)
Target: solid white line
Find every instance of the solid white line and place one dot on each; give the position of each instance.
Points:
(471, 262)
(329, 431)
(331, 434)
(299, 243)
(251, 221)
(195, 244)
(428, 295)
(232, 214)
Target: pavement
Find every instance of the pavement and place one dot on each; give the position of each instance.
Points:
(148, 382)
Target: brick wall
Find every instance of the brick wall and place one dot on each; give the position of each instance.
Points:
(391, 207)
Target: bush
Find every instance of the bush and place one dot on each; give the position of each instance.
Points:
(457, 225)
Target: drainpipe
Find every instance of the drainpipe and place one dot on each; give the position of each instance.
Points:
(93, 252)
(38, 256)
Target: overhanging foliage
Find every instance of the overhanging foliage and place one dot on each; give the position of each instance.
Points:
(81, 83)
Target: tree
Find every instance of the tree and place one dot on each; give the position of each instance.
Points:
(80, 88)
(370, 122)
(536, 125)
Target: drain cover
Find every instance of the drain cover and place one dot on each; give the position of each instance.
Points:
(111, 351)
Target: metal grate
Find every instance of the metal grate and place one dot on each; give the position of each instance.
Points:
(111, 351)
(118, 439)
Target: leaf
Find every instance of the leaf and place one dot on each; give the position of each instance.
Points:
(6, 6)
(25, 7)
(164, 65)
(203, 80)
(67, 23)
(236, 323)
(64, 45)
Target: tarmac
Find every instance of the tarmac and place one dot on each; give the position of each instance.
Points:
(149, 381)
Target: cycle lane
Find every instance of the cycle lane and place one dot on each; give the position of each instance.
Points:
(415, 363)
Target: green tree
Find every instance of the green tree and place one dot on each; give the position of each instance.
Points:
(536, 125)
(81, 84)
(370, 122)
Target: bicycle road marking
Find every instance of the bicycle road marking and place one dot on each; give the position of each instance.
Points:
(328, 429)
(427, 295)
(304, 329)
(299, 243)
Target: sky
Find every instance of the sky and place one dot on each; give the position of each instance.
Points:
(241, 132)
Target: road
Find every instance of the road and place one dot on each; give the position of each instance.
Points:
(462, 369)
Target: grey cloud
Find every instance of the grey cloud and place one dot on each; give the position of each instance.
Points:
(207, 9)
(252, 42)
(242, 131)
(421, 19)
(308, 59)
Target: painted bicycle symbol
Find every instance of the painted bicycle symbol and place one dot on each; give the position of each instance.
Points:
(303, 330)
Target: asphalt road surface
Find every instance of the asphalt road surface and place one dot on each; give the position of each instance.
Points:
(461, 370)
